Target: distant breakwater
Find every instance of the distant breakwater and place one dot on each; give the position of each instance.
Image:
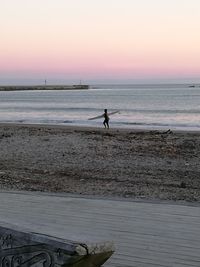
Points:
(43, 87)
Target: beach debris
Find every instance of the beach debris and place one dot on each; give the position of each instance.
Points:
(168, 132)
(6, 135)
(183, 185)
(158, 132)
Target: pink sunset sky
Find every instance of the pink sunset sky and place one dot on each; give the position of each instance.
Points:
(100, 39)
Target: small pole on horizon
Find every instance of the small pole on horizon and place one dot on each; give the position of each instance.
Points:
(45, 82)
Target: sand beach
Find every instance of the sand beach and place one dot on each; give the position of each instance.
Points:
(125, 163)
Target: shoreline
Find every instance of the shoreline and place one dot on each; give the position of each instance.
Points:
(96, 128)
(125, 163)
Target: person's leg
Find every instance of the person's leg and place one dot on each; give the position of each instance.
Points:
(104, 123)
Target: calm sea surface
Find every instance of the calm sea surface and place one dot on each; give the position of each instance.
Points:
(140, 106)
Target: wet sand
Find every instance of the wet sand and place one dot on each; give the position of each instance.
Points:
(91, 161)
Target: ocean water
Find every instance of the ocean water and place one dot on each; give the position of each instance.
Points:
(140, 106)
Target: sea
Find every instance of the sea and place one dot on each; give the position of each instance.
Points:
(153, 106)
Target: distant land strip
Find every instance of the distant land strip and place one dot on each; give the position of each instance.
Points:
(43, 87)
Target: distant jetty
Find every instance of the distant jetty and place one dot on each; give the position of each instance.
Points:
(43, 87)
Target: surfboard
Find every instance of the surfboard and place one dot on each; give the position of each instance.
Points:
(97, 117)
(112, 113)
(101, 116)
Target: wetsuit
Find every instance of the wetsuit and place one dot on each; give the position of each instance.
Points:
(106, 119)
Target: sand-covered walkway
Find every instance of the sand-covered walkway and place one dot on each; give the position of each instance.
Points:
(145, 234)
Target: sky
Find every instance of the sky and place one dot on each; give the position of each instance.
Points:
(100, 39)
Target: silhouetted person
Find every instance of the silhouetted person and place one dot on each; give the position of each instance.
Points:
(106, 119)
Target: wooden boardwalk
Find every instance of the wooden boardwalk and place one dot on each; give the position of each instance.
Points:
(145, 234)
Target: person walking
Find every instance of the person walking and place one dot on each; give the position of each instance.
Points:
(106, 119)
